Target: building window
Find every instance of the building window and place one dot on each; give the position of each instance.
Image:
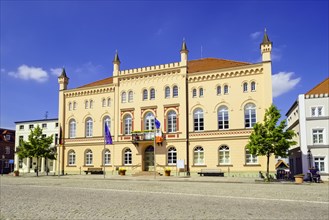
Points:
(127, 157)
(201, 92)
(194, 93)
(91, 103)
(253, 86)
(172, 156)
(249, 115)
(251, 158)
(108, 102)
(123, 97)
(72, 129)
(106, 121)
(219, 90)
(319, 162)
(103, 102)
(198, 120)
(127, 124)
(44, 125)
(70, 106)
(89, 157)
(224, 155)
(56, 139)
(225, 89)
(130, 96)
(223, 122)
(167, 92)
(56, 124)
(107, 157)
(7, 137)
(20, 138)
(71, 157)
(89, 127)
(7, 150)
(317, 111)
(152, 94)
(86, 104)
(175, 91)
(245, 87)
(317, 136)
(145, 94)
(198, 156)
(74, 105)
(21, 127)
(149, 121)
(31, 126)
(171, 122)
(43, 135)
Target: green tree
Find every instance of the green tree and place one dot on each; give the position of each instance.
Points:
(270, 137)
(37, 146)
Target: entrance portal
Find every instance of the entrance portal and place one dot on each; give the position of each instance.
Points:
(149, 158)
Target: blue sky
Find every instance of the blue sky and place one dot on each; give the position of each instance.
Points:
(39, 37)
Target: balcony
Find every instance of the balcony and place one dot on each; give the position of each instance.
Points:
(143, 136)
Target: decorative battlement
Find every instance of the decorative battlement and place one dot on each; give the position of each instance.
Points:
(316, 96)
(150, 68)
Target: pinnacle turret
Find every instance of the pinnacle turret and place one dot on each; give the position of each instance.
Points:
(116, 57)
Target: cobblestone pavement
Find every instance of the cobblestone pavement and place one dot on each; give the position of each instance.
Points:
(116, 197)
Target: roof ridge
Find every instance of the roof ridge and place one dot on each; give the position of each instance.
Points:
(318, 85)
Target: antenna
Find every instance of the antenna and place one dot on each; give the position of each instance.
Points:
(46, 115)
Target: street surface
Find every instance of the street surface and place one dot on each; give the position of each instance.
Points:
(89, 197)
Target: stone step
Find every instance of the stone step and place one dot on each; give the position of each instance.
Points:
(147, 173)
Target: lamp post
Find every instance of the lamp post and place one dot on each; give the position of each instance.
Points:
(2, 159)
(309, 157)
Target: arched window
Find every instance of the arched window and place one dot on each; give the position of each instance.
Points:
(194, 93)
(86, 104)
(224, 155)
(106, 121)
(149, 121)
(198, 156)
(91, 103)
(89, 127)
(245, 87)
(74, 105)
(130, 96)
(127, 124)
(225, 89)
(249, 115)
(123, 97)
(145, 94)
(167, 92)
(103, 103)
(108, 102)
(72, 128)
(89, 157)
(71, 157)
(127, 160)
(201, 92)
(251, 158)
(219, 90)
(175, 91)
(223, 122)
(152, 93)
(107, 157)
(172, 156)
(253, 86)
(70, 106)
(198, 120)
(171, 122)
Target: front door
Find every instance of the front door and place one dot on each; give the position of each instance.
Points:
(149, 158)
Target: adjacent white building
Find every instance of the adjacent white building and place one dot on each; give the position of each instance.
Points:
(309, 118)
(23, 129)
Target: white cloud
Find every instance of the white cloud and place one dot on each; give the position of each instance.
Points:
(89, 68)
(283, 82)
(255, 35)
(56, 71)
(30, 73)
(3, 70)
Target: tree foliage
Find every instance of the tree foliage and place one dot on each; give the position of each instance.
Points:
(37, 146)
(269, 137)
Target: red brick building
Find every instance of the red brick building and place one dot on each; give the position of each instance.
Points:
(7, 147)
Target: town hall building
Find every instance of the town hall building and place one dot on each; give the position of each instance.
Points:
(206, 109)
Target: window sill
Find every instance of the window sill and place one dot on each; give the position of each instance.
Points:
(88, 165)
(199, 165)
(71, 165)
(252, 165)
(225, 165)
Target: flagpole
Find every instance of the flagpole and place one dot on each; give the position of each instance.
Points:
(104, 159)
(155, 166)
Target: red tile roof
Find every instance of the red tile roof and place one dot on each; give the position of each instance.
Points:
(200, 65)
(321, 88)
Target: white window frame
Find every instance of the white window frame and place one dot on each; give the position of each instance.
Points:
(251, 158)
(219, 90)
(127, 157)
(72, 128)
(198, 156)
(127, 124)
(172, 156)
(171, 121)
(107, 157)
(223, 117)
(152, 94)
(145, 95)
(130, 96)
(224, 155)
(317, 163)
(175, 91)
(194, 93)
(89, 157)
(89, 127)
(91, 103)
(226, 89)
(198, 120)
(108, 102)
(167, 92)
(245, 87)
(249, 110)
(253, 86)
(123, 97)
(71, 158)
(103, 102)
(201, 92)
(318, 136)
(317, 110)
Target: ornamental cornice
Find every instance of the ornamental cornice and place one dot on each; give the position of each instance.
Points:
(224, 133)
(225, 73)
(89, 91)
(144, 75)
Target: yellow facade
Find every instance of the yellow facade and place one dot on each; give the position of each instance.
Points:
(188, 116)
